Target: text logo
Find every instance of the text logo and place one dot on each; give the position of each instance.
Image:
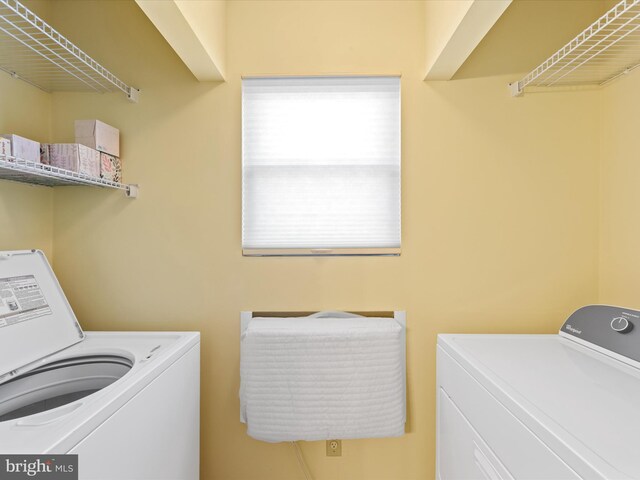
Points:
(573, 330)
(49, 467)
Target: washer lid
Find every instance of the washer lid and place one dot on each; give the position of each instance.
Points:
(36, 319)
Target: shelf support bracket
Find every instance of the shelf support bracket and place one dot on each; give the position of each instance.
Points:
(132, 190)
(133, 95)
(515, 89)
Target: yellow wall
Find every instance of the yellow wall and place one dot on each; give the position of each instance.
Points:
(442, 17)
(499, 231)
(26, 212)
(207, 19)
(620, 196)
(195, 29)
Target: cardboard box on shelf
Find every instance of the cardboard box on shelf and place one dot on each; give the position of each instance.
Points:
(98, 135)
(44, 154)
(23, 148)
(75, 157)
(5, 146)
(110, 167)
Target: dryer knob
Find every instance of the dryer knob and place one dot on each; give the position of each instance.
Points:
(621, 325)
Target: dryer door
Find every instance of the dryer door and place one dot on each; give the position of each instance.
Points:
(36, 319)
(462, 453)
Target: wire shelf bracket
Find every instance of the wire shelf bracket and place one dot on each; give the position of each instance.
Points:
(604, 51)
(33, 51)
(24, 171)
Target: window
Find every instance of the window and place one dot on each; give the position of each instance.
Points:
(321, 165)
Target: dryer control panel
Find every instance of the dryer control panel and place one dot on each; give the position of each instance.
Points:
(608, 327)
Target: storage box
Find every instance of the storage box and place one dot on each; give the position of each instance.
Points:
(23, 148)
(44, 154)
(98, 135)
(5, 147)
(110, 167)
(75, 157)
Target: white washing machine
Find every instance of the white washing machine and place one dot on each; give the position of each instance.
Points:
(126, 402)
(542, 407)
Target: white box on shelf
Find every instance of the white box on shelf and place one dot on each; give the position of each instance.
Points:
(23, 148)
(75, 157)
(110, 167)
(5, 146)
(44, 154)
(98, 135)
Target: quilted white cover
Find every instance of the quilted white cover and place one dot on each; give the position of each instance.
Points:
(310, 378)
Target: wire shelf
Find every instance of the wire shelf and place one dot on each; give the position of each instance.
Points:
(607, 49)
(30, 49)
(19, 170)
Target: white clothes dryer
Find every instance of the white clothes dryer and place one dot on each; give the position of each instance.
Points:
(542, 407)
(127, 403)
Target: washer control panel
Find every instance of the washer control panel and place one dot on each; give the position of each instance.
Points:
(608, 327)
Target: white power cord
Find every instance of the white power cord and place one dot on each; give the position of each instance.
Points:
(303, 465)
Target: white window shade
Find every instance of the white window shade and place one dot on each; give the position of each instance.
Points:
(321, 165)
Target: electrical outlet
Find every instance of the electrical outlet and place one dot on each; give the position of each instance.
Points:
(334, 448)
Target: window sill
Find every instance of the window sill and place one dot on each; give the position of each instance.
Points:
(321, 252)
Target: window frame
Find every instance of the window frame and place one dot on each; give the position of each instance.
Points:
(324, 252)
